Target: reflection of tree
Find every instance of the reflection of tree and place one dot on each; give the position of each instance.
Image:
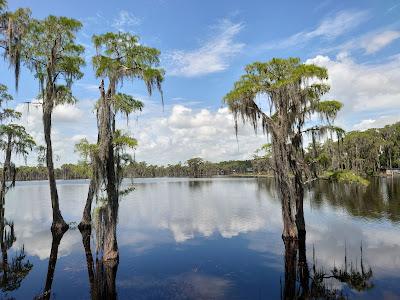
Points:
(267, 185)
(355, 279)
(304, 283)
(12, 273)
(102, 275)
(198, 184)
(379, 199)
(57, 235)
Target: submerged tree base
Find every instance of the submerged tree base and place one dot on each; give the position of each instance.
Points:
(83, 225)
(111, 257)
(59, 227)
(299, 235)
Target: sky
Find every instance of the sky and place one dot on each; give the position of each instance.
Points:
(205, 46)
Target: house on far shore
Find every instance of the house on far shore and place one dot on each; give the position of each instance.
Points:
(390, 171)
(249, 170)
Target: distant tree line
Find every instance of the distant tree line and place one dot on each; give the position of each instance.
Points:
(362, 152)
(195, 167)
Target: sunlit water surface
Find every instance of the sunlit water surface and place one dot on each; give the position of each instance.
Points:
(211, 238)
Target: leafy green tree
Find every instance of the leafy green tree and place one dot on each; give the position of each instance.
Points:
(262, 157)
(49, 50)
(290, 93)
(119, 56)
(13, 27)
(13, 139)
(194, 165)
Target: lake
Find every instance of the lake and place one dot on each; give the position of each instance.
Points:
(216, 238)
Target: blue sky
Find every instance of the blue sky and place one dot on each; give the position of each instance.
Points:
(204, 46)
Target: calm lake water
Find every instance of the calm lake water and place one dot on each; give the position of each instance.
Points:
(214, 238)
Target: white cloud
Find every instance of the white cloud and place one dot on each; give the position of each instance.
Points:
(330, 28)
(373, 44)
(212, 56)
(67, 113)
(88, 86)
(377, 123)
(364, 89)
(125, 21)
(187, 133)
(69, 123)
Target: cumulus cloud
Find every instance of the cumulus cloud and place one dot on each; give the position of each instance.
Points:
(364, 89)
(67, 113)
(187, 133)
(212, 56)
(330, 28)
(70, 122)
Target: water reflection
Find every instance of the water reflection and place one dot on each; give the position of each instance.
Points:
(379, 200)
(57, 235)
(218, 239)
(12, 272)
(101, 274)
(302, 282)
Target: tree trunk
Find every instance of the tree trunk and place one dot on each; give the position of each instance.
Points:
(106, 157)
(294, 158)
(315, 155)
(58, 220)
(289, 291)
(285, 186)
(110, 243)
(6, 170)
(87, 211)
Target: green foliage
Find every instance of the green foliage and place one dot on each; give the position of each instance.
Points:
(41, 151)
(4, 95)
(50, 52)
(13, 137)
(85, 149)
(289, 90)
(126, 104)
(120, 56)
(266, 149)
(10, 114)
(123, 141)
(347, 177)
(329, 109)
(21, 142)
(13, 28)
(3, 5)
